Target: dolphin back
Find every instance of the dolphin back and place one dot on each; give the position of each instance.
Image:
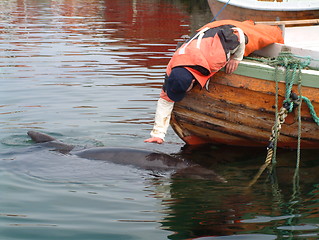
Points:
(140, 158)
(145, 159)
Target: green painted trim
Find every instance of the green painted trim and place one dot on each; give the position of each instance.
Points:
(310, 78)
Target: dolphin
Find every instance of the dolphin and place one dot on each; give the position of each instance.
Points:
(140, 158)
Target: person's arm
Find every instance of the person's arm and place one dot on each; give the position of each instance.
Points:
(162, 119)
(237, 53)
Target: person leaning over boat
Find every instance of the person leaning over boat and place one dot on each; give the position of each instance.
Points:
(216, 45)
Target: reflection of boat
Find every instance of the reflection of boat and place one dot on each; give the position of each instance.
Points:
(265, 10)
(231, 210)
(239, 109)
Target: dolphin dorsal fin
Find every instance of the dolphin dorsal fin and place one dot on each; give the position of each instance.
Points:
(49, 141)
(40, 137)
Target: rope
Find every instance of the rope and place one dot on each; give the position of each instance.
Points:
(283, 113)
(263, 167)
(220, 11)
(291, 65)
(269, 61)
(311, 109)
(276, 116)
(296, 174)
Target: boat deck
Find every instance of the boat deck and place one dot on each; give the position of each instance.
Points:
(306, 37)
(300, 41)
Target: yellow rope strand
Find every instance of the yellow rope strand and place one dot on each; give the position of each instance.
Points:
(283, 113)
(268, 160)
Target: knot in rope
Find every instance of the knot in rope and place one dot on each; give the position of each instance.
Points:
(291, 102)
(288, 60)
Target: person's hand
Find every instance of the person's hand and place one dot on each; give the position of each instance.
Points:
(154, 140)
(231, 66)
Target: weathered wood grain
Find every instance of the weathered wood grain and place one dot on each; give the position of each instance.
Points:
(240, 110)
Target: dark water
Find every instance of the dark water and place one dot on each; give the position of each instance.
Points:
(89, 73)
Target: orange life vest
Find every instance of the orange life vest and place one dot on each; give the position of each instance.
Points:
(206, 53)
(259, 35)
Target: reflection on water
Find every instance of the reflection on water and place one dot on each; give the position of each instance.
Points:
(89, 72)
(86, 56)
(271, 209)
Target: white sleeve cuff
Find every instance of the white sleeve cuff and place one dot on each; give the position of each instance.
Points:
(162, 118)
(238, 53)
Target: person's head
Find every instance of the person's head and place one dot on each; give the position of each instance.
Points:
(178, 83)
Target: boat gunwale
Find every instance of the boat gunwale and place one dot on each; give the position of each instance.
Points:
(260, 64)
(252, 68)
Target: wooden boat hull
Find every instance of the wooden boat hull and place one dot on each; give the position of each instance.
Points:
(239, 109)
(242, 13)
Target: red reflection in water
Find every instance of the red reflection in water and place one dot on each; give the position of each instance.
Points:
(153, 21)
(146, 29)
(154, 24)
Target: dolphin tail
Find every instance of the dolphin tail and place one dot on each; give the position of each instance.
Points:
(198, 172)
